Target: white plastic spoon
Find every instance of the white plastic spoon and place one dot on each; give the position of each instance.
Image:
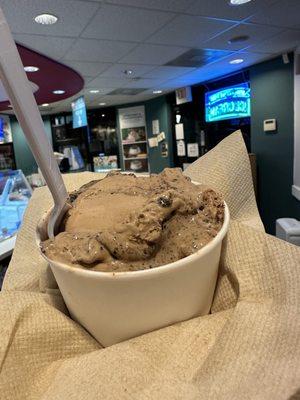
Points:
(17, 86)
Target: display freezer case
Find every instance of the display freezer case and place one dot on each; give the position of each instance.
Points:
(15, 193)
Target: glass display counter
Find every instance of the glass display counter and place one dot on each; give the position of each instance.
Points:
(15, 193)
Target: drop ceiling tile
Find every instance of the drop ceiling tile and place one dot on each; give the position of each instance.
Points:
(284, 13)
(87, 79)
(127, 91)
(125, 23)
(187, 30)
(92, 50)
(89, 69)
(117, 99)
(256, 33)
(216, 69)
(72, 15)
(117, 70)
(252, 58)
(167, 72)
(249, 59)
(285, 41)
(99, 83)
(103, 91)
(222, 9)
(167, 5)
(174, 84)
(89, 98)
(153, 54)
(47, 45)
(196, 58)
(147, 83)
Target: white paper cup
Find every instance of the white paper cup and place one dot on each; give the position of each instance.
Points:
(115, 306)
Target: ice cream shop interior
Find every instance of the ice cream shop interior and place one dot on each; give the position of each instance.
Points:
(150, 199)
(137, 86)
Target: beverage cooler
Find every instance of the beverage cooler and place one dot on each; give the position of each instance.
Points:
(15, 193)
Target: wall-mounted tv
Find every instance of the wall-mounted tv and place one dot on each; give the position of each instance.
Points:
(79, 113)
(228, 103)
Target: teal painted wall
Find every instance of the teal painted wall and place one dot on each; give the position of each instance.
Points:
(157, 108)
(24, 158)
(273, 97)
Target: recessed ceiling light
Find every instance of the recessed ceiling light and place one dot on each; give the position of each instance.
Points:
(128, 72)
(236, 61)
(31, 68)
(157, 91)
(103, 115)
(94, 91)
(45, 105)
(46, 19)
(238, 2)
(102, 104)
(58, 91)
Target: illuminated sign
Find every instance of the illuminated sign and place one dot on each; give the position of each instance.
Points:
(228, 103)
(79, 113)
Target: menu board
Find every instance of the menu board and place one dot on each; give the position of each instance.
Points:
(133, 135)
(5, 129)
(79, 113)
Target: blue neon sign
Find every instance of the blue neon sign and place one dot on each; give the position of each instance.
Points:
(228, 103)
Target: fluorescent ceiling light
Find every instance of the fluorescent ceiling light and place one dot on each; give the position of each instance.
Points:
(45, 105)
(31, 68)
(58, 91)
(46, 19)
(238, 2)
(102, 104)
(236, 61)
(94, 91)
(157, 91)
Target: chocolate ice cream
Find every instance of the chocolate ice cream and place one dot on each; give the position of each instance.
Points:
(129, 223)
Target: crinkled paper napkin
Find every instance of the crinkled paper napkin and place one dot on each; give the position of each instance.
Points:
(247, 348)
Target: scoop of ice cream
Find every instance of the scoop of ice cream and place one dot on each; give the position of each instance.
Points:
(124, 222)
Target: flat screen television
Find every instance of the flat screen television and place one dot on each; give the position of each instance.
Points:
(79, 113)
(228, 103)
(1, 130)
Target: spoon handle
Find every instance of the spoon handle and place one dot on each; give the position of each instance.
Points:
(17, 86)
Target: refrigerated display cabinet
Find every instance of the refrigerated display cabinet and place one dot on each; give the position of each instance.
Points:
(15, 193)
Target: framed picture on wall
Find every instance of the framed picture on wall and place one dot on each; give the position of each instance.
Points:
(133, 136)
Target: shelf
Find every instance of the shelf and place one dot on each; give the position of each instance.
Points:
(73, 171)
(130, 143)
(137, 172)
(136, 158)
(106, 171)
(67, 140)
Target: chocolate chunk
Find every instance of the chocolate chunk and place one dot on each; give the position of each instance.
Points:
(164, 201)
